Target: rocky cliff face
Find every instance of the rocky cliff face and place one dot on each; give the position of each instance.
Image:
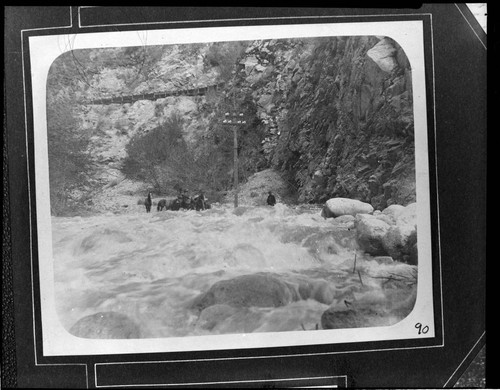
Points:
(171, 68)
(339, 116)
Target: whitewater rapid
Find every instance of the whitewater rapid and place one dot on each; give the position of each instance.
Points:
(151, 266)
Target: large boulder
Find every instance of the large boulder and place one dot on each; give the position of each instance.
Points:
(344, 206)
(401, 244)
(389, 307)
(347, 221)
(333, 318)
(383, 54)
(106, 325)
(393, 210)
(371, 233)
(408, 216)
(261, 290)
(401, 239)
(390, 220)
(392, 232)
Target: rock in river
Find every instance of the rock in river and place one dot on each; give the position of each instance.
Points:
(400, 240)
(371, 232)
(393, 210)
(347, 318)
(390, 233)
(106, 325)
(261, 290)
(343, 206)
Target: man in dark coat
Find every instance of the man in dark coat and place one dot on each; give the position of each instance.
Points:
(148, 202)
(271, 199)
(186, 200)
(200, 202)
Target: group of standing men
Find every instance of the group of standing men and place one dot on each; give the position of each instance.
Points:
(184, 201)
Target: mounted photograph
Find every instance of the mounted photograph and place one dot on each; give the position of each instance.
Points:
(232, 187)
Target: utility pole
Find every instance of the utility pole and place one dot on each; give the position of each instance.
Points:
(234, 120)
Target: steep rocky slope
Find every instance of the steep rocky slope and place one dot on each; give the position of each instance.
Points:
(173, 67)
(339, 116)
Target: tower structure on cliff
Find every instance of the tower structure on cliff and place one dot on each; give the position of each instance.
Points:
(235, 120)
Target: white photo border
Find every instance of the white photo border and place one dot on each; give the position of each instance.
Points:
(55, 336)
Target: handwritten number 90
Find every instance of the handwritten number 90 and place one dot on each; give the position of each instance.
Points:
(421, 329)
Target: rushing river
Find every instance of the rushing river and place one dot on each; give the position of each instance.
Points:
(152, 267)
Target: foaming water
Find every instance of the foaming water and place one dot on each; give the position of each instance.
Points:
(150, 267)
